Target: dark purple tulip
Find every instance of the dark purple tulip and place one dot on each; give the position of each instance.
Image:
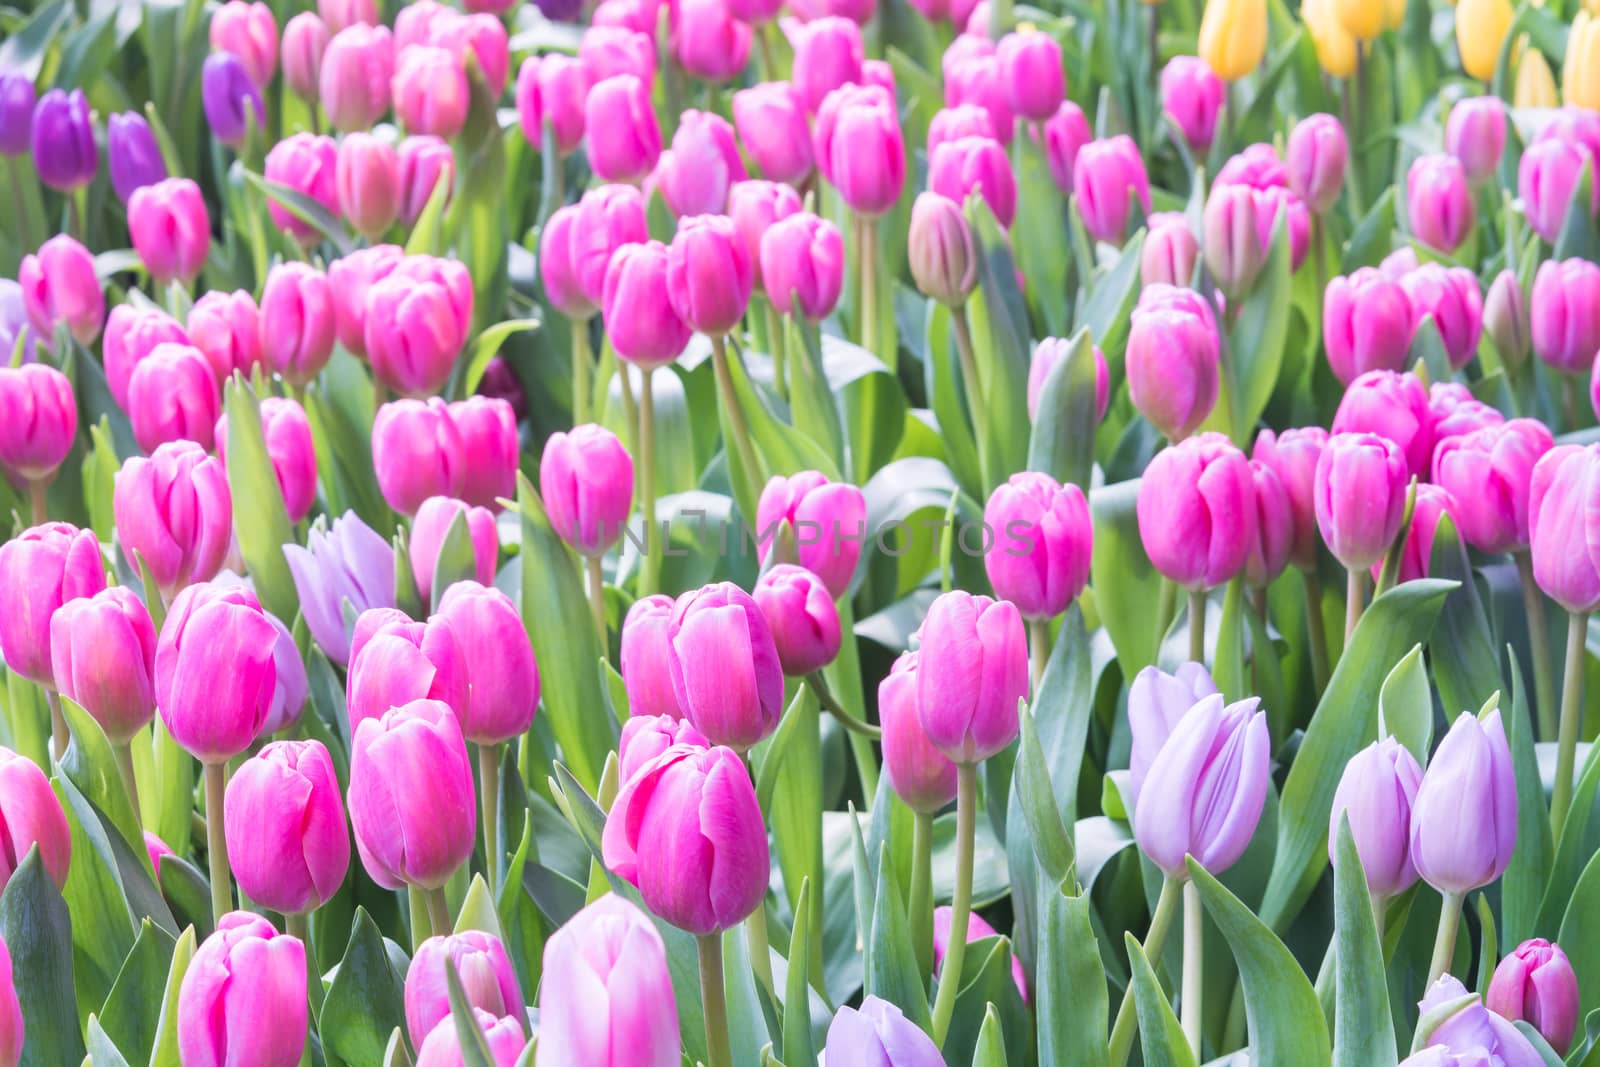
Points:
(16, 112)
(227, 91)
(63, 140)
(135, 158)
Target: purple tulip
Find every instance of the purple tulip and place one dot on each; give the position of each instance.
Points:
(232, 100)
(879, 1034)
(17, 101)
(1157, 702)
(346, 562)
(1474, 1035)
(1376, 792)
(64, 151)
(1562, 526)
(1464, 818)
(134, 157)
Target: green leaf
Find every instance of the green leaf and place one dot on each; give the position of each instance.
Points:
(132, 1011)
(986, 978)
(1160, 1034)
(366, 1000)
(891, 971)
(1259, 335)
(304, 208)
(1462, 647)
(1284, 1018)
(1000, 340)
(1345, 721)
(1362, 1030)
(1072, 1000)
(790, 780)
(569, 687)
(1579, 236)
(1405, 706)
(476, 220)
(1572, 852)
(260, 521)
(1126, 586)
(166, 1048)
(474, 1049)
(991, 1050)
(457, 560)
(1522, 886)
(1229, 655)
(1111, 300)
(486, 347)
(103, 1052)
(1062, 444)
(92, 766)
(1427, 348)
(799, 1048)
(1373, 235)
(814, 405)
(37, 930)
(1051, 843)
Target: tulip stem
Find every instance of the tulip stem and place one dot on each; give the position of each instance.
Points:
(777, 342)
(1124, 1029)
(831, 705)
(1569, 401)
(730, 401)
(1197, 625)
(922, 890)
(597, 599)
(580, 371)
(1539, 642)
(489, 785)
(14, 166)
(769, 58)
(1355, 594)
(124, 753)
(1038, 651)
(1316, 630)
(1166, 604)
(217, 841)
(1194, 947)
(439, 920)
(944, 1005)
(297, 924)
(650, 568)
(36, 495)
(630, 416)
(969, 372)
(59, 737)
(714, 1001)
(869, 281)
(1444, 945)
(1571, 718)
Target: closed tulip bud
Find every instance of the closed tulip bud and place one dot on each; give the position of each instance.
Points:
(606, 51)
(710, 274)
(367, 178)
(828, 519)
(954, 123)
(771, 121)
(171, 229)
(430, 90)
(828, 53)
(1192, 97)
(134, 158)
(1273, 204)
(1232, 243)
(174, 514)
(1030, 66)
(802, 259)
(645, 652)
(879, 1033)
(287, 842)
(857, 11)
(955, 12)
(1293, 457)
(1366, 324)
(974, 77)
(1361, 19)
(1156, 702)
(132, 334)
(687, 831)
(639, 315)
(1481, 27)
(350, 278)
(1052, 350)
(1536, 983)
(411, 799)
(341, 13)
(1259, 166)
(1439, 201)
(1416, 551)
(802, 617)
(412, 335)
(1172, 361)
(754, 206)
(103, 650)
(429, 529)
(417, 452)
(644, 738)
(1548, 178)
(1360, 496)
(1317, 158)
(921, 776)
(1506, 319)
(417, 22)
(607, 988)
(502, 675)
(724, 665)
(1043, 542)
(1456, 412)
(449, 274)
(975, 166)
(225, 327)
(232, 101)
(356, 76)
(1488, 472)
(586, 481)
(503, 1038)
(1233, 37)
(550, 92)
(1160, 297)
(243, 997)
(1065, 134)
(1206, 788)
(30, 815)
(16, 332)
(624, 137)
(708, 41)
(1475, 134)
(1170, 251)
(59, 285)
(605, 219)
(1105, 175)
(1464, 819)
(305, 41)
(1272, 532)
(636, 15)
(289, 446)
(487, 979)
(249, 31)
(297, 322)
(1376, 792)
(1536, 85)
(17, 100)
(308, 164)
(64, 152)
(1564, 328)
(1451, 296)
(1564, 479)
(1394, 406)
(1195, 508)
(42, 569)
(38, 420)
(216, 670)
(695, 174)
(173, 396)
(972, 671)
(557, 269)
(860, 148)
(940, 249)
(488, 431)
(482, 38)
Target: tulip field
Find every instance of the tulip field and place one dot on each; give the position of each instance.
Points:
(799, 533)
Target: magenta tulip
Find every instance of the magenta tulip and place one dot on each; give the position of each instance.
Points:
(1547, 183)
(216, 672)
(771, 120)
(975, 166)
(287, 432)
(827, 54)
(1064, 135)
(695, 174)
(243, 997)
(1192, 97)
(412, 334)
(1030, 66)
(132, 333)
(1561, 526)
(860, 148)
(394, 661)
(38, 420)
(1172, 366)
(171, 229)
(59, 285)
(921, 776)
(645, 658)
(1360, 496)
(971, 673)
(828, 519)
(1489, 472)
(550, 93)
(418, 453)
(1043, 542)
(31, 815)
(103, 655)
(624, 139)
(226, 328)
(586, 481)
(287, 842)
(174, 514)
(708, 41)
(641, 321)
(1196, 507)
(487, 979)
(1452, 297)
(1105, 175)
(297, 322)
(1366, 324)
(1391, 405)
(1439, 202)
(724, 665)
(802, 617)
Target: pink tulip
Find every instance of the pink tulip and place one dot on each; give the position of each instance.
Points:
(975, 166)
(297, 322)
(708, 41)
(551, 90)
(243, 997)
(1170, 251)
(771, 120)
(170, 227)
(1192, 96)
(38, 420)
(1367, 322)
(710, 274)
(643, 662)
(1030, 66)
(482, 37)
(103, 652)
(350, 278)
(1105, 175)
(355, 76)
(860, 148)
(803, 256)
(828, 519)
(216, 671)
(250, 32)
(608, 217)
(646, 737)
(641, 322)
(394, 660)
(972, 671)
(1064, 135)
(1439, 202)
(1394, 406)
(1360, 496)
(1292, 456)
(1475, 133)
(308, 164)
(418, 453)
(59, 285)
(503, 679)
(827, 54)
(173, 396)
(606, 51)
(488, 431)
(30, 815)
(1196, 507)
(695, 174)
(1172, 363)
(802, 617)
(226, 328)
(412, 335)
(487, 979)
(1043, 542)
(287, 433)
(1450, 295)
(1317, 158)
(1560, 523)
(754, 206)
(12, 1029)
(977, 930)
(624, 137)
(921, 776)
(287, 842)
(976, 78)
(586, 481)
(724, 665)
(132, 333)
(430, 90)
(429, 530)
(1547, 182)
(43, 568)
(1565, 330)
(367, 176)
(1050, 352)
(174, 514)
(341, 13)
(425, 163)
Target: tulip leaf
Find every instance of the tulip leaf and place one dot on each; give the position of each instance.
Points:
(1462, 647)
(92, 767)
(1000, 342)
(790, 787)
(1126, 586)
(484, 349)
(103, 1052)
(799, 1047)
(475, 221)
(1038, 241)
(891, 967)
(132, 1011)
(1363, 1034)
(1579, 236)
(260, 521)
(366, 1000)
(1522, 886)
(569, 686)
(1071, 979)
(518, 913)
(166, 1043)
(1344, 722)
(942, 382)
(1405, 706)
(25, 51)
(1110, 301)
(306, 209)
(1488, 946)
(36, 926)
(1259, 335)
(1371, 240)
(1160, 1034)
(1284, 1017)
(1580, 935)
(813, 403)
(986, 978)
(1062, 444)
(1038, 797)
(99, 480)
(457, 560)
(991, 1050)
(1427, 348)
(395, 1054)
(1572, 851)
(1547, 1055)
(1228, 643)
(474, 1049)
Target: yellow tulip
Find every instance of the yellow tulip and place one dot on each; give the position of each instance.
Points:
(1361, 19)
(1233, 36)
(1592, 6)
(1580, 72)
(1336, 49)
(1394, 14)
(1536, 86)
(1481, 27)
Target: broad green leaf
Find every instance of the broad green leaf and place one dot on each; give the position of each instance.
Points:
(986, 978)
(37, 930)
(457, 560)
(133, 1010)
(1572, 852)
(1462, 647)
(260, 521)
(166, 1049)
(1111, 298)
(1259, 335)
(103, 1052)
(366, 1000)
(1045, 827)
(475, 222)
(1405, 706)
(1161, 1037)
(1363, 1035)
(1522, 886)
(1228, 657)
(1000, 340)
(486, 347)
(799, 1048)
(791, 790)
(1427, 348)
(814, 406)
(305, 208)
(1072, 1001)
(891, 962)
(1126, 586)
